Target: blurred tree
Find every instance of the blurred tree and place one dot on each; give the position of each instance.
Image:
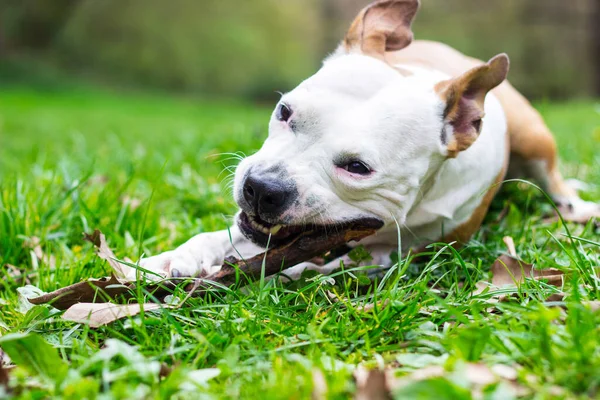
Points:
(252, 48)
(211, 46)
(594, 27)
(32, 24)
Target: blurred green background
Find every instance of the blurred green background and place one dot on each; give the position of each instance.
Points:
(253, 48)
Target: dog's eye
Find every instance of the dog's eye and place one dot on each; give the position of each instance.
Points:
(357, 167)
(283, 112)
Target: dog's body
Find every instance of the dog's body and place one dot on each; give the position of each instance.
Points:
(388, 130)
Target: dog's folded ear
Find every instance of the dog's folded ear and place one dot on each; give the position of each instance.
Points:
(464, 97)
(382, 26)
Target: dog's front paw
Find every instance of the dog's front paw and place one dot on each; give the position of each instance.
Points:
(578, 210)
(176, 264)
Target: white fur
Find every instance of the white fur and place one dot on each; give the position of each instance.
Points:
(361, 106)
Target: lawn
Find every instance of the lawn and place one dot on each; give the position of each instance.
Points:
(150, 171)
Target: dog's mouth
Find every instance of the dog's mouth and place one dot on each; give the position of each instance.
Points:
(264, 233)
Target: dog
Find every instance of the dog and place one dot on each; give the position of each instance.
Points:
(412, 133)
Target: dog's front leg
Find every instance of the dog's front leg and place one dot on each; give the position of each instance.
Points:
(202, 255)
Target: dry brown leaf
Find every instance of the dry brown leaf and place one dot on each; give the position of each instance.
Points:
(99, 241)
(99, 314)
(86, 291)
(510, 246)
(508, 270)
(108, 288)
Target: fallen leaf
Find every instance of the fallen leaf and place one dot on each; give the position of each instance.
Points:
(98, 239)
(510, 246)
(86, 291)
(508, 270)
(99, 314)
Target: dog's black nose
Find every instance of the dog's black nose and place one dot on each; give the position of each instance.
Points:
(267, 196)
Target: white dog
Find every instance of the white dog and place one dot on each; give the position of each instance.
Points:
(405, 134)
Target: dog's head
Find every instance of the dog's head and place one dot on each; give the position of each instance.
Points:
(357, 139)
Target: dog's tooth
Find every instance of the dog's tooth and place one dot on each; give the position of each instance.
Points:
(265, 230)
(275, 229)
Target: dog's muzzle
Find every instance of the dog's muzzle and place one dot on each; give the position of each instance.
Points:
(268, 196)
(264, 201)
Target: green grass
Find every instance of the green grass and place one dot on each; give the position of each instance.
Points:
(74, 161)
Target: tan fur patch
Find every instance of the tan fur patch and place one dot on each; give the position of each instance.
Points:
(382, 26)
(465, 96)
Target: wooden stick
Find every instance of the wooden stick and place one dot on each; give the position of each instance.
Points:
(306, 246)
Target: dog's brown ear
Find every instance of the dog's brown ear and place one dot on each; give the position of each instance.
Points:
(382, 26)
(464, 97)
